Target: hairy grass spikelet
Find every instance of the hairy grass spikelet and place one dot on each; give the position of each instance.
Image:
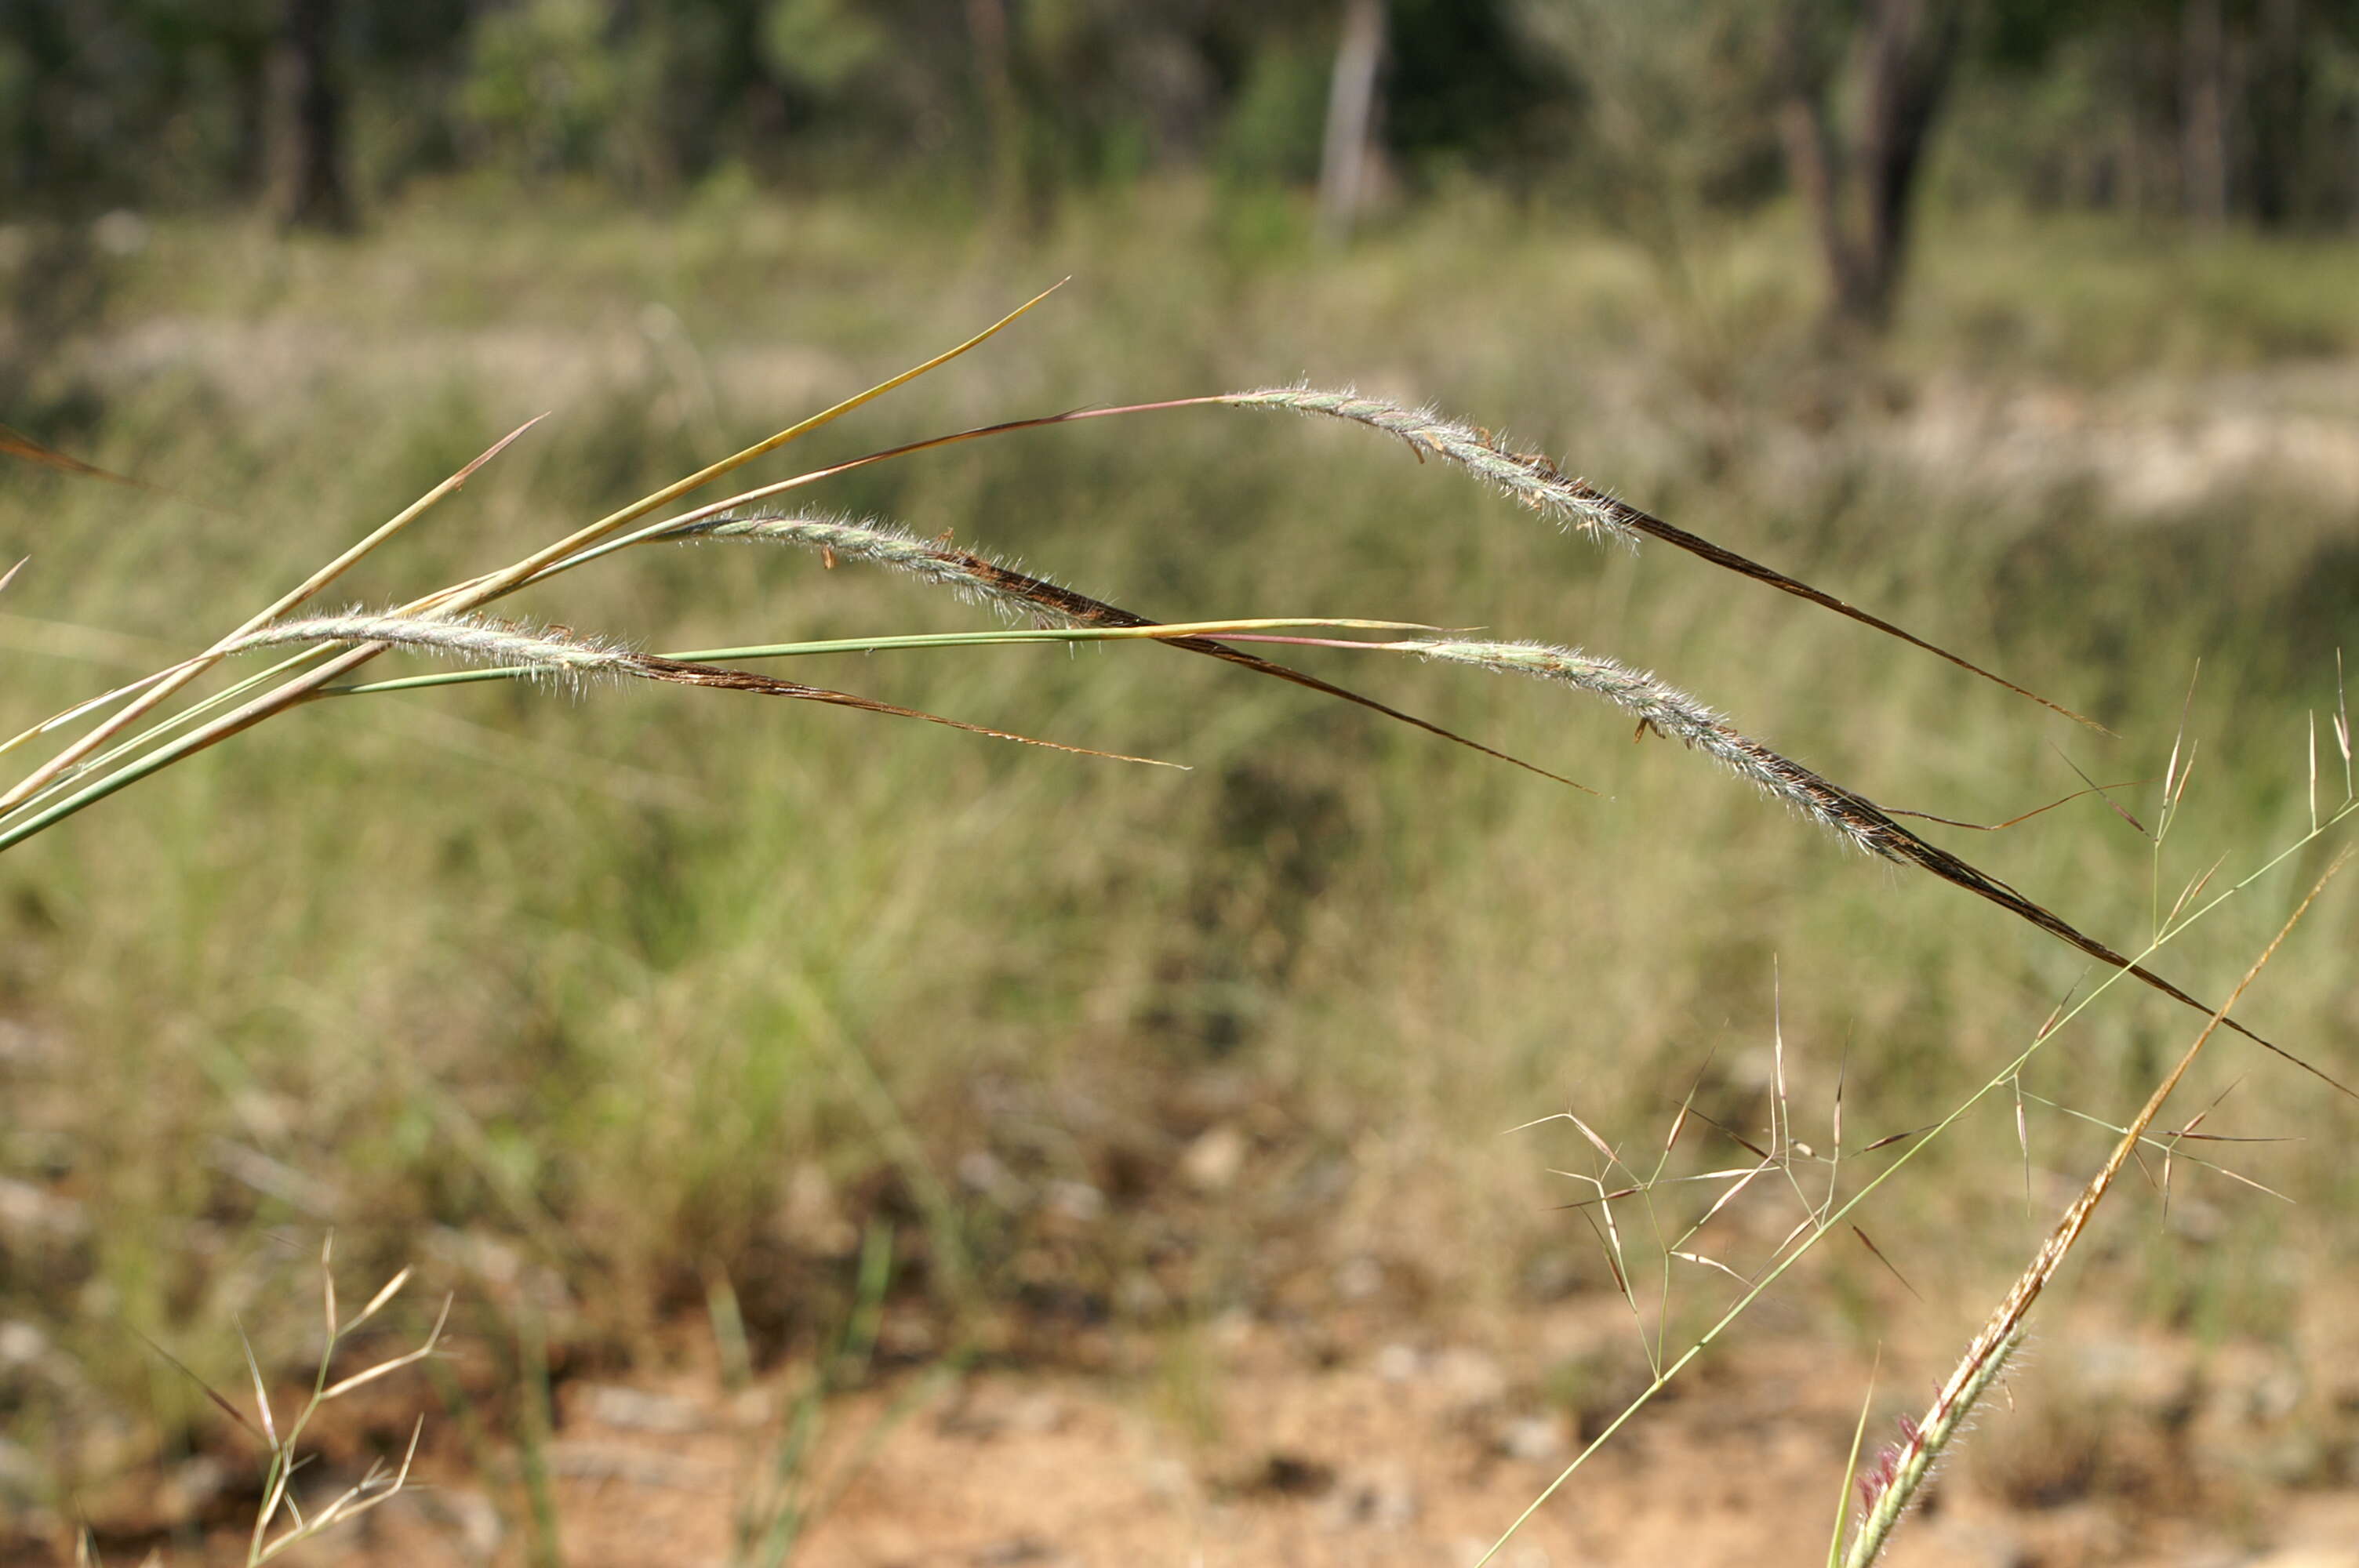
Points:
(1526, 476)
(982, 579)
(1896, 1481)
(1536, 482)
(1853, 817)
(546, 651)
(974, 578)
(1672, 713)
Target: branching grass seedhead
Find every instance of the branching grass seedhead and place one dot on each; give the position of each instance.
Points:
(279, 1523)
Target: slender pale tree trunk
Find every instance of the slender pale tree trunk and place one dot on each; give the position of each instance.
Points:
(1346, 155)
(1003, 109)
(314, 192)
(1811, 163)
(2204, 112)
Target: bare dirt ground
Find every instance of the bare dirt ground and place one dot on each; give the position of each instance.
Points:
(1251, 1445)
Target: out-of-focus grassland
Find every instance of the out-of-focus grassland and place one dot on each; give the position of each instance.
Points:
(581, 1000)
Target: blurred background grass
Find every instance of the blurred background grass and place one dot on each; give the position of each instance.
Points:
(582, 1004)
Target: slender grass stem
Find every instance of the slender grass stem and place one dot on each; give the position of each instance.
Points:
(449, 601)
(173, 680)
(1013, 637)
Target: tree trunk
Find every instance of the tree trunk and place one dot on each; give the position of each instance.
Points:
(249, 66)
(1003, 107)
(2203, 114)
(1812, 161)
(2278, 110)
(314, 193)
(1859, 181)
(1911, 54)
(1345, 155)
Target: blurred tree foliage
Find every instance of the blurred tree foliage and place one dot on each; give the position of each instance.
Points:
(1657, 114)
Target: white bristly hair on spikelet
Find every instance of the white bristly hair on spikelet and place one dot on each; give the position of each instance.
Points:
(975, 579)
(1525, 477)
(563, 654)
(1674, 714)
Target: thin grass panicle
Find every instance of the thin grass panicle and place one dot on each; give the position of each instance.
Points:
(1526, 476)
(1853, 817)
(977, 579)
(1537, 483)
(1672, 713)
(555, 652)
(1017, 593)
(568, 654)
